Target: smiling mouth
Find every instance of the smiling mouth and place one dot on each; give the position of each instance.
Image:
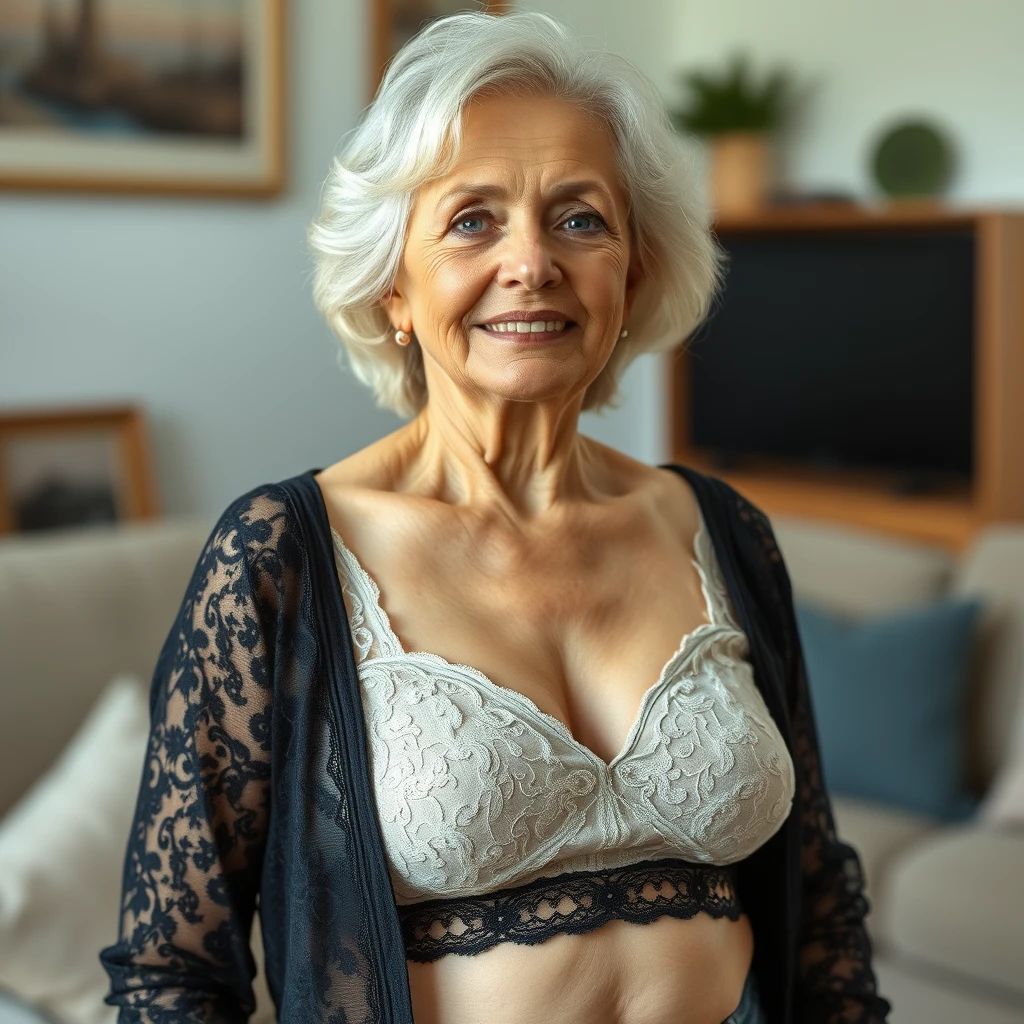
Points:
(529, 329)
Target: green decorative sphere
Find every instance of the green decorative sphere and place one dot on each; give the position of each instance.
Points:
(913, 159)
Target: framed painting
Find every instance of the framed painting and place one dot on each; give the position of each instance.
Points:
(64, 468)
(395, 22)
(159, 96)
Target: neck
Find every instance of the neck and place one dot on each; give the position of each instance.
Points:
(523, 457)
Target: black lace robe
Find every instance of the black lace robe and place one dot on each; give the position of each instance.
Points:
(256, 789)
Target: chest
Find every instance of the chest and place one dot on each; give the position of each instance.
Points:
(479, 787)
(582, 628)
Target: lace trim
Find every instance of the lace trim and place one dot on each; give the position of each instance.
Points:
(571, 904)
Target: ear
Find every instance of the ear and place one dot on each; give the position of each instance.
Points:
(397, 308)
(634, 278)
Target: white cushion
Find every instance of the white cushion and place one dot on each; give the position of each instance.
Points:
(61, 855)
(14, 1011)
(1003, 806)
(921, 994)
(109, 596)
(955, 901)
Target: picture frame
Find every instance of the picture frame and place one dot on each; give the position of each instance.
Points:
(394, 22)
(143, 96)
(74, 467)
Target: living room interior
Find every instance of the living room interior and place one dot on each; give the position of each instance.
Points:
(160, 354)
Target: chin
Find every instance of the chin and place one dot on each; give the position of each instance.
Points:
(530, 381)
(532, 391)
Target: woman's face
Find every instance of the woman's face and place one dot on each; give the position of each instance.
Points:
(517, 274)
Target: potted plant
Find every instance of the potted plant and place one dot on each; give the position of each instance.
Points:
(739, 117)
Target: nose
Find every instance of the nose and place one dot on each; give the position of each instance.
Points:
(527, 260)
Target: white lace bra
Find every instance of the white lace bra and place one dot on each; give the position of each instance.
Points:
(478, 790)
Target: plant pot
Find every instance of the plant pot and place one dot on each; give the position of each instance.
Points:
(741, 172)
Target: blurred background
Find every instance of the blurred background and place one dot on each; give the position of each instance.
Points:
(861, 378)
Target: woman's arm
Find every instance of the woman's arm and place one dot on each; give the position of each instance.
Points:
(835, 981)
(195, 850)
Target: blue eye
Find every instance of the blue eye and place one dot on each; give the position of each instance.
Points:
(583, 222)
(470, 225)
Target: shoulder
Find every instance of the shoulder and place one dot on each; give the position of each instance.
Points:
(255, 518)
(381, 466)
(744, 534)
(758, 560)
(747, 520)
(257, 541)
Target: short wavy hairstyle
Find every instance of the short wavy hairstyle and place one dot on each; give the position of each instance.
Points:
(410, 134)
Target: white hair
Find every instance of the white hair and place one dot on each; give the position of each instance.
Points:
(411, 134)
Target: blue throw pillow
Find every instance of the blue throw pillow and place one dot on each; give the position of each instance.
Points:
(889, 697)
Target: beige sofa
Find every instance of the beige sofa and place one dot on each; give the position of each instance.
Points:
(947, 917)
(947, 914)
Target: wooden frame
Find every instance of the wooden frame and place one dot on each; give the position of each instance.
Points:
(75, 466)
(393, 22)
(863, 498)
(208, 134)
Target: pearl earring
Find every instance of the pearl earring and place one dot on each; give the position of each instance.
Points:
(623, 333)
(402, 337)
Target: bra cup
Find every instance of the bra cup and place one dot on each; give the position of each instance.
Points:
(486, 796)
(710, 730)
(701, 782)
(477, 789)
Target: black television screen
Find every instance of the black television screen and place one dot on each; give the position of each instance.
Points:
(840, 348)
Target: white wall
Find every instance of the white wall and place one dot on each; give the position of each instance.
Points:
(201, 310)
(960, 62)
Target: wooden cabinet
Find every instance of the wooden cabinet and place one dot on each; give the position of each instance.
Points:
(946, 516)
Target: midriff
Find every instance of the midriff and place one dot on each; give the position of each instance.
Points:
(671, 971)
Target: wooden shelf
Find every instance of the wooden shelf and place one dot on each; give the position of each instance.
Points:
(947, 519)
(871, 500)
(851, 216)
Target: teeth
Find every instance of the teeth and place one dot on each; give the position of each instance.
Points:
(526, 326)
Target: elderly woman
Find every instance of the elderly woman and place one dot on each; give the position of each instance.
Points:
(495, 723)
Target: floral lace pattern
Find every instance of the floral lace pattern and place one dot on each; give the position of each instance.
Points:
(478, 790)
(256, 794)
(202, 853)
(573, 903)
(196, 847)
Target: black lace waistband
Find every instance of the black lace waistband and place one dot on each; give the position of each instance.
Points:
(572, 903)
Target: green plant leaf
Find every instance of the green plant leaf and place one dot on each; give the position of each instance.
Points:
(732, 99)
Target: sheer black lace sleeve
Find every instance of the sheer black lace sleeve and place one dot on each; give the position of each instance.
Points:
(835, 980)
(193, 862)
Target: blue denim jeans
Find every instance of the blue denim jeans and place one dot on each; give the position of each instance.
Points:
(749, 1011)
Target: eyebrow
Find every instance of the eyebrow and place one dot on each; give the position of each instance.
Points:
(484, 190)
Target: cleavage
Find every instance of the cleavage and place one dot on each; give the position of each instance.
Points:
(569, 654)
